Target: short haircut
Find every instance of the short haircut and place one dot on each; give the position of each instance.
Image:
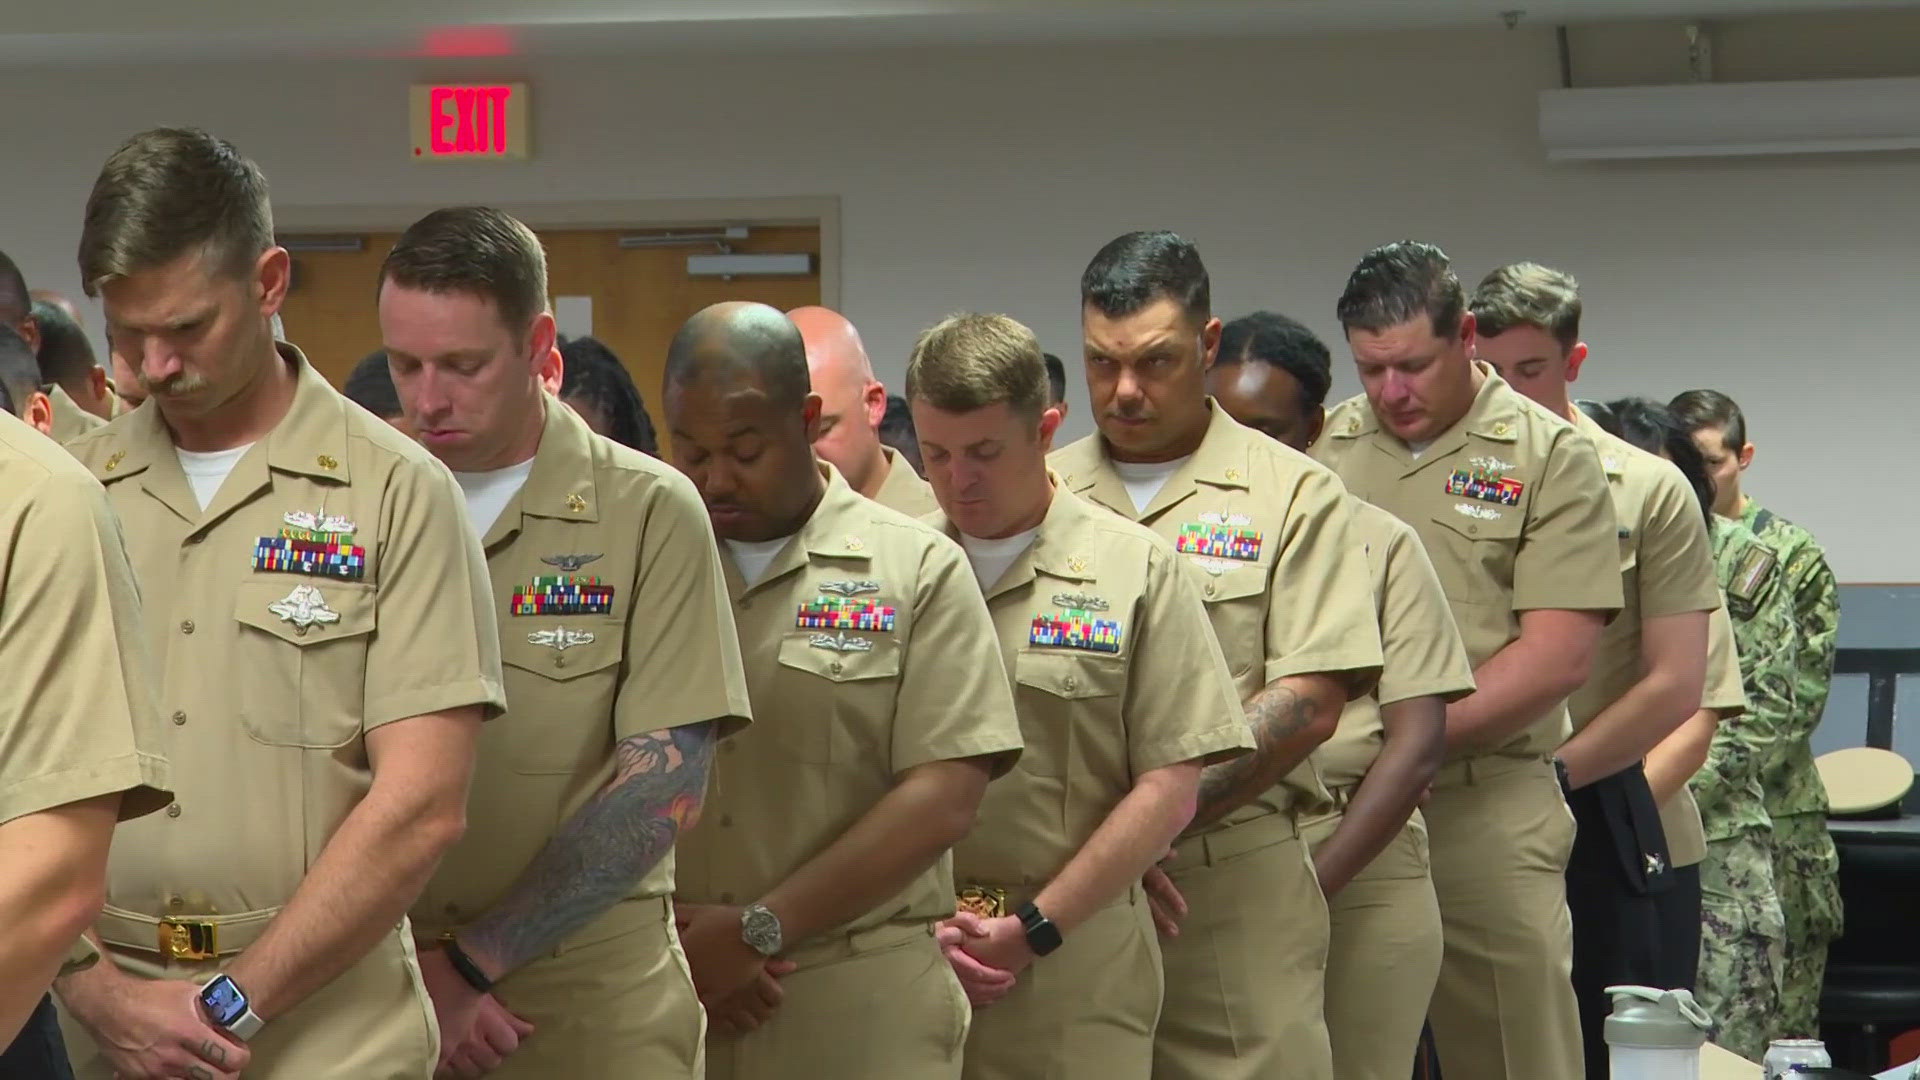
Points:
(1269, 337)
(1698, 409)
(972, 361)
(170, 192)
(1399, 282)
(1134, 270)
(370, 386)
(1056, 379)
(742, 338)
(66, 356)
(19, 372)
(897, 431)
(595, 375)
(1600, 413)
(1528, 294)
(15, 301)
(475, 250)
(1657, 429)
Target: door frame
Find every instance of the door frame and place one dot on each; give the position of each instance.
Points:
(820, 210)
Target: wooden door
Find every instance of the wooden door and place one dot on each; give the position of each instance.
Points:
(639, 295)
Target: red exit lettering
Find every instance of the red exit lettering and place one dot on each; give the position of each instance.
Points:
(468, 119)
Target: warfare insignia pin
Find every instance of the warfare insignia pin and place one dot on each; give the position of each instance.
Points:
(1484, 513)
(849, 588)
(568, 563)
(560, 639)
(1231, 521)
(1490, 464)
(304, 607)
(841, 643)
(318, 544)
(320, 522)
(1079, 601)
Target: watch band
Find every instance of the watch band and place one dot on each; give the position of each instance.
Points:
(1042, 935)
(1560, 774)
(464, 964)
(247, 1026)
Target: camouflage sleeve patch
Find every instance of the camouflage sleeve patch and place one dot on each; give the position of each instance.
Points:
(1752, 569)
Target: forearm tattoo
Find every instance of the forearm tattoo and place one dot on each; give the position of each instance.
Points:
(608, 845)
(1275, 714)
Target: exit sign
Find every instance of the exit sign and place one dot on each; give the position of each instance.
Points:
(469, 121)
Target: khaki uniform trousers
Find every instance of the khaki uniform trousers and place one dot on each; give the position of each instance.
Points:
(616, 999)
(1383, 955)
(1501, 834)
(1245, 977)
(880, 1004)
(1084, 1012)
(374, 1022)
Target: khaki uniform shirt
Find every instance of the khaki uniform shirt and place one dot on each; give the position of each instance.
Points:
(1418, 641)
(903, 489)
(1264, 532)
(1116, 673)
(70, 421)
(331, 586)
(1680, 816)
(1512, 507)
(77, 714)
(866, 643)
(1666, 568)
(651, 647)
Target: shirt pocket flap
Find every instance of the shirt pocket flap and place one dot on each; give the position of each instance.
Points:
(841, 656)
(303, 612)
(561, 652)
(1070, 675)
(1481, 521)
(1234, 584)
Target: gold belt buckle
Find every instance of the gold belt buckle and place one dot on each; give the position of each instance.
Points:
(189, 940)
(982, 901)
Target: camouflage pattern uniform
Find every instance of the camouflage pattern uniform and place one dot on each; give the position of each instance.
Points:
(1742, 935)
(1805, 866)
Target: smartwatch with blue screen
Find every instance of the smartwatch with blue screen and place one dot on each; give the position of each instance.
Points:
(227, 1007)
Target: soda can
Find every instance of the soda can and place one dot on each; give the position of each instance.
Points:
(1788, 1056)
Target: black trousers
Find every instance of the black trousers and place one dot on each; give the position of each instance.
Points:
(1616, 878)
(38, 1052)
(1680, 930)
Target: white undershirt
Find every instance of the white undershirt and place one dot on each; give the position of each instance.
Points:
(754, 556)
(1415, 450)
(990, 558)
(206, 471)
(488, 493)
(1144, 479)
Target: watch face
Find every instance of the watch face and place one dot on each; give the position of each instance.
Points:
(224, 1001)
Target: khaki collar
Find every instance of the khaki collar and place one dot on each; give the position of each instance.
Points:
(837, 530)
(1611, 447)
(1494, 416)
(310, 440)
(1060, 548)
(561, 483)
(1223, 460)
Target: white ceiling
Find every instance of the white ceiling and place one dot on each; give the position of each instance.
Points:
(157, 31)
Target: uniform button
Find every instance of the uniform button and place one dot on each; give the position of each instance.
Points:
(559, 661)
(726, 898)
(186, 626)
(1071, 682)
(1211, 588)
(834, 667)
(300, 631)
(179, 717)
(173, 810)
(1473, 530)
(174, 903)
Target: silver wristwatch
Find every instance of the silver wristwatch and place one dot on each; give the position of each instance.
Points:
(760, 929)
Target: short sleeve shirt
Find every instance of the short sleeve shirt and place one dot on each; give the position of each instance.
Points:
(1422, 650)
(1263, 531)
(614, 622)
(1115, 673)
(330, 587)
(1666, 562)
(70, 421)
(1730, 787)
(77, 714)
(865, 642)
(1512, 507)
(903, 489)
(1687, 827)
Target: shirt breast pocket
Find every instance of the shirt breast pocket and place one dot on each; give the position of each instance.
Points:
(1474, 556)
(835, 704)
(1060, 691)
(560, 702)
(300, 659)
(1237, 607)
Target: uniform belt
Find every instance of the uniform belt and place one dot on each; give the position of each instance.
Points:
(182, 937)
(1477, 770)
(624, 917)
(841, 945)
(1216, 846)
(1340, 797)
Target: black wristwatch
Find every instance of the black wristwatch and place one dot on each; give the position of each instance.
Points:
(1560, 774)
(1042, 936)
(464, 965)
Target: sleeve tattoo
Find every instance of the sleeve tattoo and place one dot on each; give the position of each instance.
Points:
(609, 844)
(1275, 714)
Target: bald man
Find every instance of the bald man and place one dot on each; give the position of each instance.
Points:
(808, 894)
(852, 405)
